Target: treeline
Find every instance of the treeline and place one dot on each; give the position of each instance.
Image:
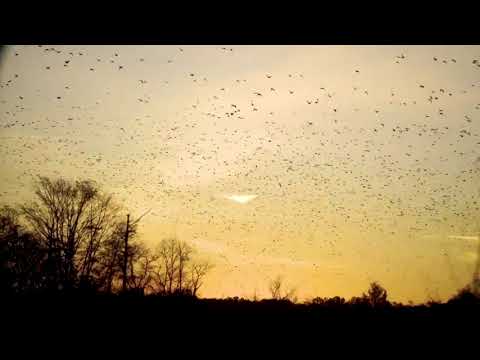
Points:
(73, 237)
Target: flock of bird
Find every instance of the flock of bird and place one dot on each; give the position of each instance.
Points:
(319, 178)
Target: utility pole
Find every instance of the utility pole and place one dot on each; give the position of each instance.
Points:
(125, 256)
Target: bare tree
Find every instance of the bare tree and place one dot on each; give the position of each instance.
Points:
(275, 288)
(71, 220)
(141, 268)
(111, 260)
(277, 292)
(114, 275)
(198, 271)
(168, 263)
(102, 218)
(184, 252)
(81, 239)
(176, 271)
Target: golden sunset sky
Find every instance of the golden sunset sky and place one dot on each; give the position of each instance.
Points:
(333, 166)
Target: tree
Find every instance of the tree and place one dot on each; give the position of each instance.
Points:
(278, 294)
(176, 270)
(359, 301)
(141, 268)
(184, 252)
(72, 221)
(112, 272)
(275, 288)
(74, 238)
(109, 269)
(376, 296)
(198, 271)
(318, 301)
(20, 255)
(465, 296)
(168, 265)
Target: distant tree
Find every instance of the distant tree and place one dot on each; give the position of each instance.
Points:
(465, 296)
(275, 288)
(376, 296)
(198, 271)
(168, 259)
(359, 301)
(277, 292)
(141, 268)
(255, 296)
(176, 272)
(317, 301)
(336, 301)
(184, 253)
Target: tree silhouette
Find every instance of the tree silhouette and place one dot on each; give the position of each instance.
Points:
(20, 255)
(71, 220)
(376, 296)
(359, 301)
(465, 296)
(75, 238)
(277, 293)
(111, 260)
(176, 271)
(141, 268)
(198, 271)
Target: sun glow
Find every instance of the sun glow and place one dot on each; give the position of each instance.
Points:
(241, 199)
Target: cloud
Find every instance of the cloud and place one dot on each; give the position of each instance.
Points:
(462, 237)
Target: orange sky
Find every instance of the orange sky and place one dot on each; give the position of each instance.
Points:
(331, 165)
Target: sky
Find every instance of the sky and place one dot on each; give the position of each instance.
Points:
(331, 166)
